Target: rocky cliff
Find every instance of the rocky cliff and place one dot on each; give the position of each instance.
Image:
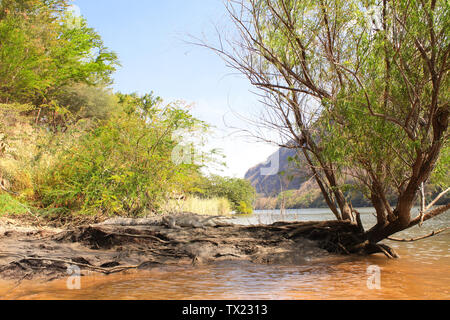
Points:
(287, 175)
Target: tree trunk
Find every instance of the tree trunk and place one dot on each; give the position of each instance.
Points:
(346, 211)
(379, 208)
(322, 187)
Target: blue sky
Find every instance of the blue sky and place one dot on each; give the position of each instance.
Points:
(150, 37)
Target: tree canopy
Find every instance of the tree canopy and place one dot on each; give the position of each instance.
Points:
(43, 50)
(360, 88)
(68, 143)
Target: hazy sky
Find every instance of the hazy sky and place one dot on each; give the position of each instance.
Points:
(150, 38)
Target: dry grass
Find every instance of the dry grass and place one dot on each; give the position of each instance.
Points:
(216, 206)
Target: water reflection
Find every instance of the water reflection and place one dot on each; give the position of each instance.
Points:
(421, 273)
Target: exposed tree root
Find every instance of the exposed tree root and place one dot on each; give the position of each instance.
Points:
(368, 248)
(71, 262)
(134, 236)
(388, 251)
(110, 249)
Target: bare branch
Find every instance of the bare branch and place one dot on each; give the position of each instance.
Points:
(436, 200)
(434, 233)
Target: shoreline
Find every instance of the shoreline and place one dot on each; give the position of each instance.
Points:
(119, 245)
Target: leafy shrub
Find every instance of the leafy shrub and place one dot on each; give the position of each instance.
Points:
(239, 192)
(244, 208)
(122, 166)
(84, 101)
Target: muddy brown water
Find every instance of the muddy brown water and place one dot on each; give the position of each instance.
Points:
(421, 273)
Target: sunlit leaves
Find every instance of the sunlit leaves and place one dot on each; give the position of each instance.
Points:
(375, 73)
(123, 164)
(41, 52)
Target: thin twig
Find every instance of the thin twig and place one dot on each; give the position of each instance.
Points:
(436, 200)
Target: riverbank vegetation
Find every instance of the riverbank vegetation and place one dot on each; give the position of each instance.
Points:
(70, 146)
(202, 206)
(309, 196)
(360, 90)
(239, 192)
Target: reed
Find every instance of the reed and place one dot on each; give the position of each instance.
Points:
(214, 206)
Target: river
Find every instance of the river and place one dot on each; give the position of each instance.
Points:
(421, 273)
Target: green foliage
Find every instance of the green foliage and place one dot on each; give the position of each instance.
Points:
(42, 51)
(244, 208)
(378, 75)
(9, 205)
(122, 166)
(378, 148)
(441, 174)
(312, 198)
(87, 102)
(293, 199)
(239, 192)
(67, 143)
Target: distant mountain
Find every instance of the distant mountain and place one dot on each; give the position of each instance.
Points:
(270, 183)
(293, 180)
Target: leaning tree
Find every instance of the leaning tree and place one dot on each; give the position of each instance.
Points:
(359, 88)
